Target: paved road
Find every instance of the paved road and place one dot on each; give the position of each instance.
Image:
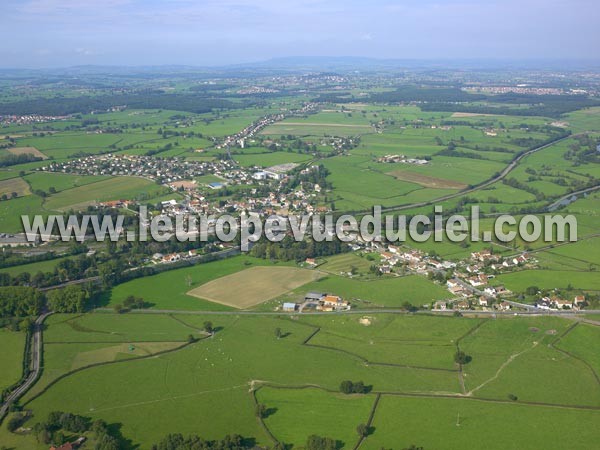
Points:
(36, 360)
(576, 193)
(535, 312)
(483, 185)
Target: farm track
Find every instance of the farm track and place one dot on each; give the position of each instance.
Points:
(569, 354)
(36, 366)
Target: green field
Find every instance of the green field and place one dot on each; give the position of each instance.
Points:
(432, 424)
(11, 359)
(214, 379)
(120, 188)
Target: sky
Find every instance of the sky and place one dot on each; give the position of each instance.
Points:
(60, 33)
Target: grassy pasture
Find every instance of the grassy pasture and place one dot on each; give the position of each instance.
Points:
(110, 189)
(59, 181)
(168, 290)
(501, 342)
(431, 423)
(253, 286)
(583, 342)
(113, 328)
(11, 357)
(34, 267)
(321, 413)
(519, 281)
(344, 263)
(389, 292)
(210, 380)
(420, 341)
(11, 210)
(270, 159)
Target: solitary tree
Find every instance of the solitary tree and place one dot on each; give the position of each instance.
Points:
(346, 386)
(461, 357)
(208, 327)
(362, 430)
(278, 333)
(261, 411)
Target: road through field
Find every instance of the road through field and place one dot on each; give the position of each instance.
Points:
(36, 360)
(483, 185)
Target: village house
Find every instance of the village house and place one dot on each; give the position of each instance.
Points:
(504, 306)
(561, 303)
(483, 301)
(579, 301)
(440, 305)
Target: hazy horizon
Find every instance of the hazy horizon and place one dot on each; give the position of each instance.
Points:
(62, 33)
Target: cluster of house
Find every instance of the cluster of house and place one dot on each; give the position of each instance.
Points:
(27, 119)
(462, 305)
(159, 169)
(401, 159)
(413, 260)
(318, 301)
(554, 302)
(238, 139)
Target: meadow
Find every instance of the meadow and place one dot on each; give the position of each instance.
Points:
(296, 377)
(11, 357)
(432, 424)
(119, 188)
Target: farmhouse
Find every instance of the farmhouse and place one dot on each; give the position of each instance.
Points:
(579, 301)
(311, 261)
(561, 303)
(334, 300)
(313, 297)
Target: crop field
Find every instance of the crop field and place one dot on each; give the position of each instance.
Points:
(253, 286)
(11, 357)
(425, 181)
(14, 185)
(27, 151)
(168, 290)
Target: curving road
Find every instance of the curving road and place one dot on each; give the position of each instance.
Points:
(514, 163)
(36, 361)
